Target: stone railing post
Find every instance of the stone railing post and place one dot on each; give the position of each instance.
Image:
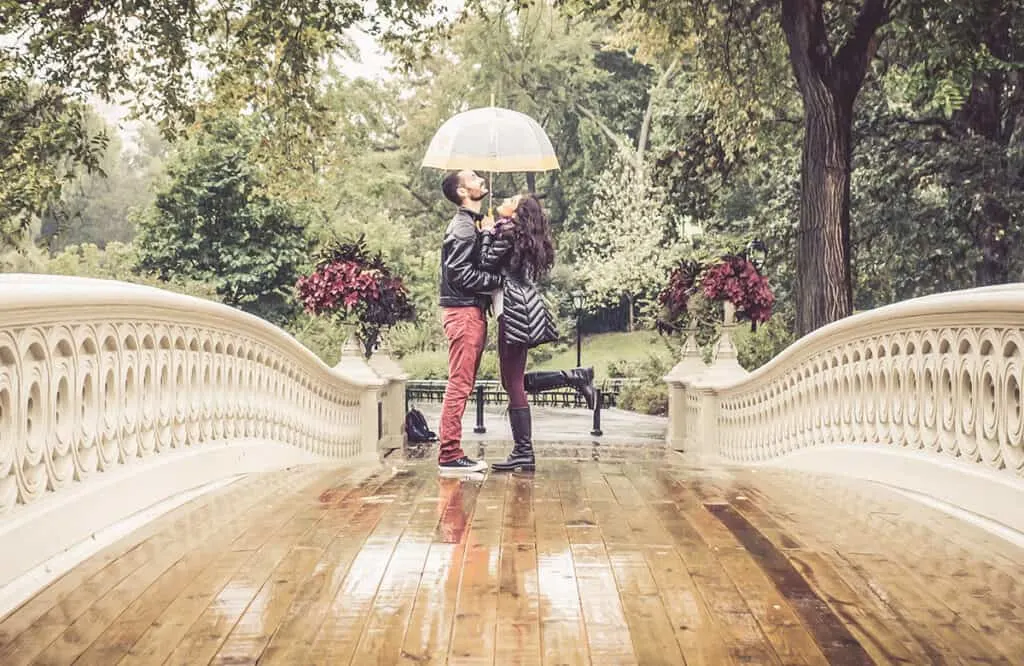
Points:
(394, 396)
(724, 370)
(690, 366)
(354, 366)
(707, 446)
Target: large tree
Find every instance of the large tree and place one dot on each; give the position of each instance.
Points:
(829, 47)
(212, 221)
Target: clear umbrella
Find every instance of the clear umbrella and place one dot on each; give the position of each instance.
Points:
(491, 139)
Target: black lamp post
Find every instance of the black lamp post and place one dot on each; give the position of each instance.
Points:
(577, 303)
(757, 253)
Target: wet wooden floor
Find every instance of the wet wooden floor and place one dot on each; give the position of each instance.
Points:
(583, 562)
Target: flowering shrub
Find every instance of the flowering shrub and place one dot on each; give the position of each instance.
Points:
(355, 286)
(736, 279)
(681, 285)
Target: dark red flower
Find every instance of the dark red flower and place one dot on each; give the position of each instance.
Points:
(354, 285)
(737, 280)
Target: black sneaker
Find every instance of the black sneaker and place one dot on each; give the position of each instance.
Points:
(462, 465)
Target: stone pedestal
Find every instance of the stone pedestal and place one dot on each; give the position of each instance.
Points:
(354, 368)
(725, 368)
(393, 398)
(690, 367)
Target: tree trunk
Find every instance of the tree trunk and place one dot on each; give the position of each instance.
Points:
(829, 81)
(823, 285)
(994, 239)
(985, 115)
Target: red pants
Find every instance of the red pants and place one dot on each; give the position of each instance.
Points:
(466, 330)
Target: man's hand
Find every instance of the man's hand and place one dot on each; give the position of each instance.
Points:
(487, 223)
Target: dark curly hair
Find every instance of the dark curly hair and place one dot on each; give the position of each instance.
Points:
(533, 253)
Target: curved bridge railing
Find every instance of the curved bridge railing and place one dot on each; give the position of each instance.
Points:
(114, 396)
(924, 395)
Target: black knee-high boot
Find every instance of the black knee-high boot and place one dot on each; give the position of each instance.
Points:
(521, 457)
(581, 379)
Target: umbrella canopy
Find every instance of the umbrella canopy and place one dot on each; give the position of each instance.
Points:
(491, 139)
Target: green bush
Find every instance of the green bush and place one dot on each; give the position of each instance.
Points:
(434, 365)
(754, 349)
(645, 398)
(425, 334)
(426, 364)
(320, 335)
(650, 394)
(621, 368)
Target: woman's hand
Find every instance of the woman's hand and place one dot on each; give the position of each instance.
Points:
(505, 226)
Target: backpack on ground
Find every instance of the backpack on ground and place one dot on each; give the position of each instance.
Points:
(416, 427)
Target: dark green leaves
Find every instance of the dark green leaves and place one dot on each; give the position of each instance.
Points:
(214, 222)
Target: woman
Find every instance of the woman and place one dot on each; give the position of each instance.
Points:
(520, 248)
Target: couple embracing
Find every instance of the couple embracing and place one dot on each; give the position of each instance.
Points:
(500, 265)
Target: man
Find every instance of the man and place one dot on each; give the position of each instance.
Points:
(465, 290)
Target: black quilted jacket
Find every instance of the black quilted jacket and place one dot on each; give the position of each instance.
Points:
(527, 318)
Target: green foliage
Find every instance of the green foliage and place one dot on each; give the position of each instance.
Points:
(751, 64)
(320, 335)
(434, 365)
(211, 221)
(610, 354)
(116, 261)
(265, 53)
(44, 140)
(98, 207)
(174, 62)
(627, 247)
(649, 395)
(755, 348)
(426, 364)
(701, 90)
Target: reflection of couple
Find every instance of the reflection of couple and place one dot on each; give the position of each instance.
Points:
(475, 266)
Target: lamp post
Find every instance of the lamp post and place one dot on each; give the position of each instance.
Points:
(577, 303)
(757, 253)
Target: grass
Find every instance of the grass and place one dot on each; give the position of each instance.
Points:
(600, 351)
(606, 349)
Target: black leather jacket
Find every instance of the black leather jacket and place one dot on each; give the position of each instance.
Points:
(495, 253)
(463, 282)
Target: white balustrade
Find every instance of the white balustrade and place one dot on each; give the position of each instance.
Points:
(938, 378)
(103, 381)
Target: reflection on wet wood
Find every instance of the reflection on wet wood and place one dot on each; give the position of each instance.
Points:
(582, 562)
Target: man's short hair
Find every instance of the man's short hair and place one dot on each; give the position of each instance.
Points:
(450, 186)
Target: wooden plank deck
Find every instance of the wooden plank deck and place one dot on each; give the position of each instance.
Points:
(583, 562)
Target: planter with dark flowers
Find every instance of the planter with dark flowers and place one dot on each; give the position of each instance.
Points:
(357, 289)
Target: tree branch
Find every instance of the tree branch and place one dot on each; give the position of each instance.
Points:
(615, 138)
(645, 127)
(810, 55)
(429, 205)
(853, 56)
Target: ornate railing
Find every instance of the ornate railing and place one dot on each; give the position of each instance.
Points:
(939, 377)
(103, 380)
